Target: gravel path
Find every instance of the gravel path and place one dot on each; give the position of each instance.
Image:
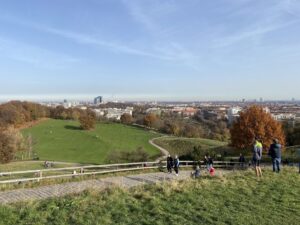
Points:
(59, 190)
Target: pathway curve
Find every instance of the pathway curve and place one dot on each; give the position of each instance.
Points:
(164, 151)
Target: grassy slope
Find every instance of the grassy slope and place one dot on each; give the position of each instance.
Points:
(181, 146)
(63, 141)
(32, 165)
(237, 198)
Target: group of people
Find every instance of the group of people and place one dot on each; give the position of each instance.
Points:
(274, 153)
(173, 163)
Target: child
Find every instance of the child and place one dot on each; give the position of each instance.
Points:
(196, 174)
(212, 171)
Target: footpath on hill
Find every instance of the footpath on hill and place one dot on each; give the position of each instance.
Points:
(163, 151)
(58, 190)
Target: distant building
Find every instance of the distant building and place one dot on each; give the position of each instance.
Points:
(267, 110)
(233, 113)
(185, 111)
(66, 104)
(98, 100)
(156, 111)
(113, 113)
(284, 116)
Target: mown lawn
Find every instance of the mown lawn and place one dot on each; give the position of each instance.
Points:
(183, 146)
(236, 198)
(62, 140)
(32, 165)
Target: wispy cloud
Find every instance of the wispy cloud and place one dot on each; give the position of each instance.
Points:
(149, 16)
(248, 34)
(166, 51)
(264, 19)
(89, 39)
(34, 55)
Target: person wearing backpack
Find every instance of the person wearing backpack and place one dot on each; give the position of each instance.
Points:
(176, 165)
(257, 155)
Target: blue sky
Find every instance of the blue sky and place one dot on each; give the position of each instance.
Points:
(150, 49)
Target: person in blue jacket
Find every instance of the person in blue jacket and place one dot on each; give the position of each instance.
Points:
(275, 153)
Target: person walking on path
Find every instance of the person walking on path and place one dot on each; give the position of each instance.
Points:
(169, 163)
(257, 155)
(275, 153)
(176, 165)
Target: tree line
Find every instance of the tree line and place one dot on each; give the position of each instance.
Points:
(15, 114)
(174, 124)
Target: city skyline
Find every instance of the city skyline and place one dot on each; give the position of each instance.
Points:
(150, 50)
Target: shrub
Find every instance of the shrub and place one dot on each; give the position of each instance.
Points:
(11, 141)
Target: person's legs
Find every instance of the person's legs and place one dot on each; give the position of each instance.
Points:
(274, 164)
(259, 171)
(256, 167)
(256, 171)
(207, 167)
(169, 169)
(176, 170)
(278, 164)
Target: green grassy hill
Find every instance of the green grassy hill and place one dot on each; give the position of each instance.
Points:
(62, 140)
(236, 198)
(183, 146)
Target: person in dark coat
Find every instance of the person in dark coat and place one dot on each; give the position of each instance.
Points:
(169, 163)
(242, 160)
(275, 153)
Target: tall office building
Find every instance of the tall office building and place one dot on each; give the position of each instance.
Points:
(98, 100)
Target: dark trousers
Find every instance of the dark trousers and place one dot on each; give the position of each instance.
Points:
(176, 169)
(169, 168)
(276, 164)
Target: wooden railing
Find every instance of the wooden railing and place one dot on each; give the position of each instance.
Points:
(54, 173)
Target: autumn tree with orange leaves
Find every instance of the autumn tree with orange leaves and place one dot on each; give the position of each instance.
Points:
(150, 119)
(255, 122)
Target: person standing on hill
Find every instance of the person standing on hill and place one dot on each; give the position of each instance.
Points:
(242, 160)
(176, 165)
(275, 153)
(257, 155)
(169, 163)
(208, 162)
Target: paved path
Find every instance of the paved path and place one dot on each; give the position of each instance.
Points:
(58, 190)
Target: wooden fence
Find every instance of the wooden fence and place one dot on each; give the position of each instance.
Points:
(54, 173)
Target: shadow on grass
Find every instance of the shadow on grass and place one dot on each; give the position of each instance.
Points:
(71, 127)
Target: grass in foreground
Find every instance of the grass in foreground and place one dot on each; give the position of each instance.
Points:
(61, 140)
(237, 198)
